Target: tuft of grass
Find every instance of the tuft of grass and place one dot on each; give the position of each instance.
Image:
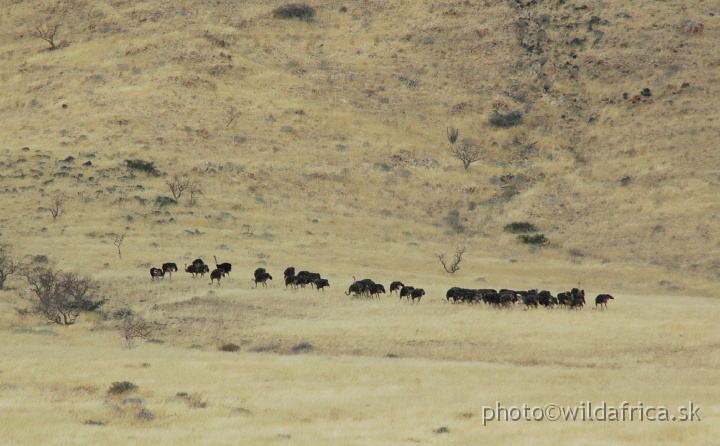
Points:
(441, 430)
(297, 11)
(118, 388)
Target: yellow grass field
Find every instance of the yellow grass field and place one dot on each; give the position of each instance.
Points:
(323, 144)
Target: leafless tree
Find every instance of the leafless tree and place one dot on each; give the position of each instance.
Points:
(47, 33)
(60, 297)
(57, 203)
(194, 190)
(451, 266)
(232, 114)
(467, 152)
(178, 185)
(7, 265)
(117, 241)
(135, 327)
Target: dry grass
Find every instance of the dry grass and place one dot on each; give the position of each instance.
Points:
(335, 162)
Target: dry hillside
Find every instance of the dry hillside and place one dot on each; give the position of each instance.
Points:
(343, 119)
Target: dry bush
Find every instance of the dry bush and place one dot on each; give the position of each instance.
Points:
(135, 327)
(8, 266)
(60, 297)
(47, 33)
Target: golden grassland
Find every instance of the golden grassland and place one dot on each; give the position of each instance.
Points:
(311, 152)
(380, 372)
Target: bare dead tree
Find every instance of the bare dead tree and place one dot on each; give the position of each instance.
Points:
(57, 203)
(232, 114)
(117, 241)
(194, 191)
(47, 33)
(135, 327)
(60, 297)
(178, 185)
(451, 266)
(7, 265)
(467, 152)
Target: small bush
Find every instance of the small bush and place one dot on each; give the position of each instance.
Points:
(519, 227)
(302, 347)
(442, 430)
(123, 313)
(509, 119)
(537, 239)
(295, 11)
(146, 415)
(143, 166)
(118, 388)
(230, 348)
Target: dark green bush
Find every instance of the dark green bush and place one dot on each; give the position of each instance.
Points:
(295, 11)
(143, 166)
(118, 388)
(230, 348)
(519, 227)
(537, 239)
(302, 347)
(509, 119)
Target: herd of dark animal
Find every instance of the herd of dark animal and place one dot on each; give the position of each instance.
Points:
(573, 299)
(196, 268)
(504, 298)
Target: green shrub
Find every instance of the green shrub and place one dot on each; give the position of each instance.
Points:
(519, 227)
(295, 11)
(537, 239)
